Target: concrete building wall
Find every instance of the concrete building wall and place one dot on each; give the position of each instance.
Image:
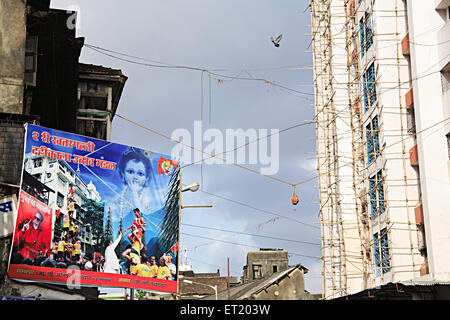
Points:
(37, 292)
(289, 288)
(12, 133)
(430, 56)
(267, 259)
(400, 178)
(12, 54)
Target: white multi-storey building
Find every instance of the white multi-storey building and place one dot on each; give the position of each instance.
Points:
(58, 176)
(382, 109)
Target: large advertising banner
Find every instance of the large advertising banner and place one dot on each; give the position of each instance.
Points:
(97, 213)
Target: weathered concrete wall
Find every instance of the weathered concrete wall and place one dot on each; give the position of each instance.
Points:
(34, 291)
(289, 288)
(11, 151)
(427, 27)
(12, 133)
(5, 249)
(267, 259)
(12, 54)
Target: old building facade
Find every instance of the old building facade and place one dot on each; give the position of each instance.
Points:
(42, 82)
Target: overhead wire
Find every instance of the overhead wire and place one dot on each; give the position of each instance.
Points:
(250, 234)
(253, 141)
(261, 210)
(251, 170)
(209, 71)
(171, 65)
(214, 265)
(198, 150)
(247, 245)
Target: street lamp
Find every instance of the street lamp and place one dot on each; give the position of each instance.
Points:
(192, 187)
(207, 285)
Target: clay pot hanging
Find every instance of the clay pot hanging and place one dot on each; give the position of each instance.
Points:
(294, 198)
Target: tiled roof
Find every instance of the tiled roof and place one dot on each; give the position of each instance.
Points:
(200, 285)
(99, 70)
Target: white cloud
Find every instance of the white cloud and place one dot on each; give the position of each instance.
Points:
(313, 279)
(308, 164)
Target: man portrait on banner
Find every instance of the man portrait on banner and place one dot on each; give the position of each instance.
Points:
(32, 240)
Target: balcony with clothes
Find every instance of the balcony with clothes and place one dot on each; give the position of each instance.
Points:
(99, 92)
(410, 114)
(36, 188)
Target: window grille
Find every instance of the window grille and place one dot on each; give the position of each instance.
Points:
(376, 194)
(369, 87)
(365, 33)
(381, 252)
(373, 141)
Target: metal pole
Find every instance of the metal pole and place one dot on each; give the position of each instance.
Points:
(178, 241)
(197, 206)
(228, 277)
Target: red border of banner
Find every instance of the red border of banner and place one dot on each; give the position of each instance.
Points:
(80, 277)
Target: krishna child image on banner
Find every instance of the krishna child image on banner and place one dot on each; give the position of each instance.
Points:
(106, 210)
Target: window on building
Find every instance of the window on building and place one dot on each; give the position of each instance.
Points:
(31, 55)
(257, 271)
(421, 243)
(373, 140)
(448, 145)
(365, 33)
(411, 120)
(376, 194)
(369, 87)
(94, 128)
(60, 200)
(37, 162)
(275, 269)
(381, 252)
(61, 182)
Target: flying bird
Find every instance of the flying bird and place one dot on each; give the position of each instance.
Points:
(276, 42)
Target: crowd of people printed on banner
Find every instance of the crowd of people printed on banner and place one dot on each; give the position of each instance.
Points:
(68, 248)
(68, 251)
(137, 262)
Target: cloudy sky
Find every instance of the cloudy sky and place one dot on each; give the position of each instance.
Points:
(233, 36)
